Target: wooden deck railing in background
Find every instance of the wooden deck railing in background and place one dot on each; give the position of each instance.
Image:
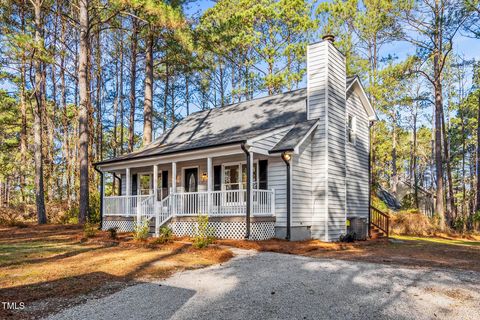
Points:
(380, 219)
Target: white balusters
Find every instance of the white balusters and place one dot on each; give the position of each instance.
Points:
(214, 203)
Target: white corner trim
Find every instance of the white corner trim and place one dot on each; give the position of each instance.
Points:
(326, 144)
(364, 98)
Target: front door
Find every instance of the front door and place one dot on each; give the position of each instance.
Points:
(191, 180)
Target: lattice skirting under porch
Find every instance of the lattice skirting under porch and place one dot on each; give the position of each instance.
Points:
(261, 230)
(222, 227)
(122, 224)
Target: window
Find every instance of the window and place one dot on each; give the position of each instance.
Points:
(145, 184)
(351, 123)
(244, 176)
(235, 176)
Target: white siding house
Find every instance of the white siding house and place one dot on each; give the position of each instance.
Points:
(291, 165)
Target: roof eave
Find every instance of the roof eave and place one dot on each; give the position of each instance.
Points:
(116, 160)
(372, 115)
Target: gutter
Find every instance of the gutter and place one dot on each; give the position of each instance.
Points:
(249, 185)
(115, 160)
(101, 196)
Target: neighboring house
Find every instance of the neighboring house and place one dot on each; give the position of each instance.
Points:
(294, 165)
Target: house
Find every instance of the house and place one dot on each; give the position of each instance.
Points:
(293, 165)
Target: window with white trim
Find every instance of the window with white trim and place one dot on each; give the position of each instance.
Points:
(351, 127)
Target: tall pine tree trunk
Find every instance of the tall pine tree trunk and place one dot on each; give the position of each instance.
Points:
(439, 204)
(148, 101)
(37, 120)
(451, 199)
(65, 126)
(394, 154)
(477, 166)
(133, 79)
(83, 111)
(122, 107)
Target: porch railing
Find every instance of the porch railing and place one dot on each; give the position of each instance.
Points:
(214, 203)
(122, 205)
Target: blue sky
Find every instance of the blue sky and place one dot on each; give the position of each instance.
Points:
(464, 46)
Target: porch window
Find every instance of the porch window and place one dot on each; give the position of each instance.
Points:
(231, 177)
(145, 184)
(233, 180)
(162, 187)
(244, 175)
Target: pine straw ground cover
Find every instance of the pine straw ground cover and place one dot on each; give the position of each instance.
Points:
(440, 251)
(51, 267)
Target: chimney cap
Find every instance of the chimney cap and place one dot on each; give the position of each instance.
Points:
(329, 37)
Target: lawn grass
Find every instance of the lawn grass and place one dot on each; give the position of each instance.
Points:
(49, 267)
(439, 240)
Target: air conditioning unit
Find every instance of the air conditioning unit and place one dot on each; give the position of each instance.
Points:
(359, 226)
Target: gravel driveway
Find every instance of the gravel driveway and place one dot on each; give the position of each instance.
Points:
(276, 286)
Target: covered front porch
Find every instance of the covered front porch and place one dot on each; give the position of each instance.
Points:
(229, 184)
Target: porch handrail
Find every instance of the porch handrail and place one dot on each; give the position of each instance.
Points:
(380, 219)
(163, 213)
(122, 205)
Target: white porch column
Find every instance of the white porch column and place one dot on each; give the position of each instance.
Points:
(174, 188)
(174, 177)
(209, 183)
(155, 210)
(128, 190)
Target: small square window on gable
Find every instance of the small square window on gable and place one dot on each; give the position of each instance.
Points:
(351, 126)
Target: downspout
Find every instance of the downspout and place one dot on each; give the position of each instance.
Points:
(249, 184)
(369, 176)
(101, 196)
(286, 157)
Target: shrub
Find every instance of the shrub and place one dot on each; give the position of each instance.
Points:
(112, 232)
(94, 207)
(141, 230)
(11, 216)
(349, 237)
(89, 230)
(204, 233)
(165, 235)
(70, 216)
(411, 222)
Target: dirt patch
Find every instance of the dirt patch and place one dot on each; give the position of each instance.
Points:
(52, 267)
(292, 247)
(455, 294)
(416, 252)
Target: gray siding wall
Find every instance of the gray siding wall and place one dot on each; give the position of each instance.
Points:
(357, 159)
(326, 81)
(277, 179)
(302, 204)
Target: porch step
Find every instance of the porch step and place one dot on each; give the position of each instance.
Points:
(152, 226)
(376, 233)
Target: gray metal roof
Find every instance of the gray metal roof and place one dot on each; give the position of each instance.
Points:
(228, 125)
(294, 136)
